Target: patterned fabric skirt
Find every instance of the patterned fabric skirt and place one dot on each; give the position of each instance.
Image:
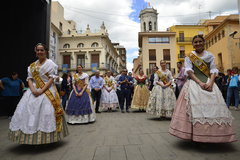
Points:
(161, 102)
(140, 97)
(38, 137)
(80, 109)
(182, 127)
(108, 100)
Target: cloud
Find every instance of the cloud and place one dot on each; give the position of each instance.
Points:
(121, 17)
(129, 66)
(119, 22)
(120, 26)
(133, 53)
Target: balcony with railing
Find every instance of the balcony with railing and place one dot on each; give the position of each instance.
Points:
(88, 67)
(184, 39)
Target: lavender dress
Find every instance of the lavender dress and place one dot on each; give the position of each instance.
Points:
(80, 109)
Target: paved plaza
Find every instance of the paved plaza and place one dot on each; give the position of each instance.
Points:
(120, 136)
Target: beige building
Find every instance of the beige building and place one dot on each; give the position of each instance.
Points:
(157, 46)
(93, 50)
(121, 60)
(219, 42)
(154, 45)
(59, 27)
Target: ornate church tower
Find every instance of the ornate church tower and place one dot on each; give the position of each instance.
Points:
(148, 18)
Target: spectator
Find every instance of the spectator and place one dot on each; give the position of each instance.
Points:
(233, 88)
(65, 90)
(11, 91)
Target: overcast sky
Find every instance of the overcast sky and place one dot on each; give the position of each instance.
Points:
(121, 17)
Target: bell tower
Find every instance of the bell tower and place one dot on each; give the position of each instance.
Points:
(148, 19)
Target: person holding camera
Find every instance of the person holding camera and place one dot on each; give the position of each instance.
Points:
(125, 83)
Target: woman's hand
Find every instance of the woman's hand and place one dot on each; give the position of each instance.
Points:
(164, 86)
(37, 93)
(160, 84)
(80, 94)
(202, 85)
(76, 93)
(209, 87)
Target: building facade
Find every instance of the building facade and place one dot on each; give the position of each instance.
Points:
(157, 46)
(93, 50)
(148, 20)
(184, 35)
(219, 42)
(121, 60)
(59, 27)
(154, 46)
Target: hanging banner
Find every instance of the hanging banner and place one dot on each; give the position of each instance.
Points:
(94, 67)
(64, 68)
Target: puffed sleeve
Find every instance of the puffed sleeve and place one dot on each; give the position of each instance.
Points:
(156, 78)
(146, 81)
(114, 82)
(29, 74)
(213, 68)
(188, 65)
(53, 70)
(170, 75)
(86, 79)
(73, 79)
(104, 82)
(134, 81)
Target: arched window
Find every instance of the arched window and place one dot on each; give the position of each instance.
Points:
(80, 45)
(150, 26)
(66, 45)
(144, 26)
(95, 44)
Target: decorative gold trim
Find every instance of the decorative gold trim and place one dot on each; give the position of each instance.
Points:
(162, 77)
(199, 63)
(108, 81)
(54, 100)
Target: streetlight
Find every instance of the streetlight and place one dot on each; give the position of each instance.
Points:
(233, 34)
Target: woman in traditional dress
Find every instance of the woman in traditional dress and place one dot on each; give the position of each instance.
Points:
(109, 99)
(162, 99)
(80, 105)
(38, 118)
(201, 114)
(141, 92)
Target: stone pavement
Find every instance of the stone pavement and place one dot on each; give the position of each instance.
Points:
(120, 136)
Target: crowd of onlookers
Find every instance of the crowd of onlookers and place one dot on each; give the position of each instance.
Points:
(229, 85)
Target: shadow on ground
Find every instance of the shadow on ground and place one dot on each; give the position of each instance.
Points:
(207, 148)
(36, 149)
(159, 118)
(137, 111)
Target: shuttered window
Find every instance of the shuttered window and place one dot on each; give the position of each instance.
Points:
(152, 54)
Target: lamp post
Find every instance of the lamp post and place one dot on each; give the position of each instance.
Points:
(233, 34)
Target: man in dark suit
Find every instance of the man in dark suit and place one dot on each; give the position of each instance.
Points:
(125, 83)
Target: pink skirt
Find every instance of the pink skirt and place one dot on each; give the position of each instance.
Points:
(181, 126)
